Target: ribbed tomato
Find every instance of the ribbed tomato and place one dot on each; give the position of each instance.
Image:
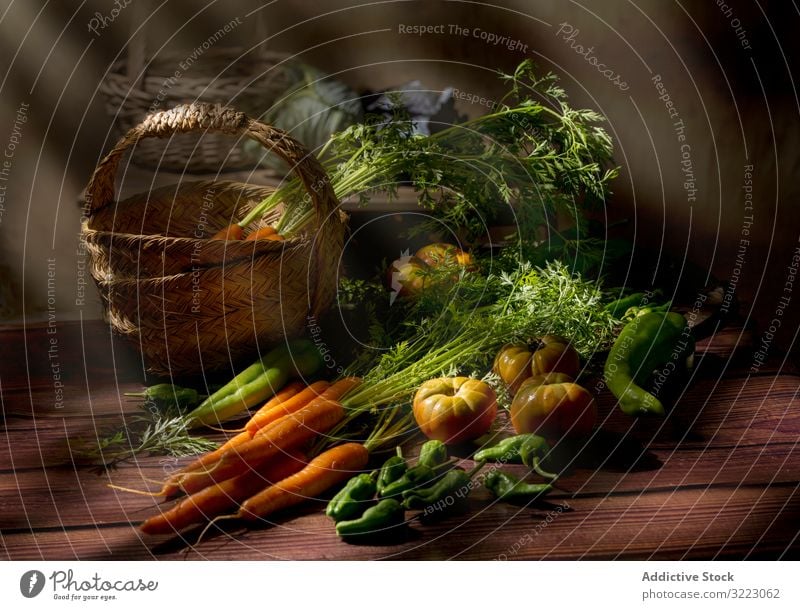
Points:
(553, 406)
(454, 409)
(513, 365)
(555, 355)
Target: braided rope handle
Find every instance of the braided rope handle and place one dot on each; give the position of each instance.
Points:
(215, 118)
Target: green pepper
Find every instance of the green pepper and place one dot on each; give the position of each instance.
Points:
(510, 489)
(413, 477)
(654, 340)
(166, 395)
(392, 469)
(450, 483)
(258, 382)
(618, 308)
(352, 498)
(432, 454)
(384, 515)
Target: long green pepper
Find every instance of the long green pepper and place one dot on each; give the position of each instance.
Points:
(653, 340)
(258, 382)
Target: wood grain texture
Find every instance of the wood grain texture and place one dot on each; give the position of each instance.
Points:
(718, 478)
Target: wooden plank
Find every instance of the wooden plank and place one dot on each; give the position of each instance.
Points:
(687, 524)
(59, 497)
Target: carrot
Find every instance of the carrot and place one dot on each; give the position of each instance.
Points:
(232, 232)
(171, 486)
(222, 497)
(262, 233)
(265, 417)
(318, 416)
(323, 472)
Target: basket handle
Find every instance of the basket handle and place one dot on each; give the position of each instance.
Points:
(204, 117)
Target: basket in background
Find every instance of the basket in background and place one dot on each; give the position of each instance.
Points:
(192, 304)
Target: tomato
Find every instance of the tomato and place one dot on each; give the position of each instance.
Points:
(513, 364)
(406, 276)
(444, 254)
(454, 409)
(555, 355)
(553, 406)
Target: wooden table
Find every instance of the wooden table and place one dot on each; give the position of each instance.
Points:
(718, 478)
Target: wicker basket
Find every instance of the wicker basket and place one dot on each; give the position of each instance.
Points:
(194, 304)
(135, 87)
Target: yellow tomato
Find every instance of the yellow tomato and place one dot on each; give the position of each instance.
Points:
(555, 355)
(513, 364)
(553, 406)
(454, 409)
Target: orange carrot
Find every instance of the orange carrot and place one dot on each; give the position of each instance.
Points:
(323, 472)
(232, 232)
(318, 416)
(270, 416)
(262, 233)
(171, 486)
(222, 497)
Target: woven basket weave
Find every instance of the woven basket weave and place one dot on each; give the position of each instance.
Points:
(194, 304)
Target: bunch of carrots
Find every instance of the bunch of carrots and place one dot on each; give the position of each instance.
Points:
(263, 468)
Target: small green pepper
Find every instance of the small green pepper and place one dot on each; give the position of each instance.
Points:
(384, 515)
(450, 483)
(413, 478)
(392, 469)
(165, 395)
(352, 498)
(653, 340)
(432, 454)
(529, 449)
(510, 489)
